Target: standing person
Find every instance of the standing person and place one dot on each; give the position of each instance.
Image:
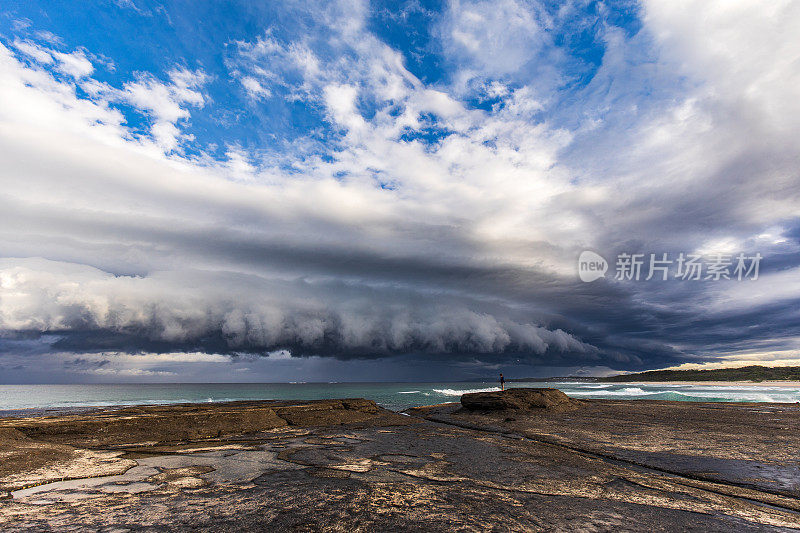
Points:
(502, 383)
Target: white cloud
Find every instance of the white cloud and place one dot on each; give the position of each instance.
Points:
(127, 372)
(31, 99)
(166, 103)
(280, 355)
(498, 37)
(254, 89)
(34, 51)
(74, 64)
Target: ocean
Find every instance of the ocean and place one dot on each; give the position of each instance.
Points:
(33, 399)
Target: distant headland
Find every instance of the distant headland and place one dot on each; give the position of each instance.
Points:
(746, 373)
(753, 373)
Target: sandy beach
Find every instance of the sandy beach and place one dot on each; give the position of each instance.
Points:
(793, 384)
(337, 465)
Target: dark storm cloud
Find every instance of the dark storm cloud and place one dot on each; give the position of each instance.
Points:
(121, 243)
(247, 313)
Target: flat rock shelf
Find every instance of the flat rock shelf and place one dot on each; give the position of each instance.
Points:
(516, 462)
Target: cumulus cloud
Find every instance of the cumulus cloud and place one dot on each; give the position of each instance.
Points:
(166, 103)
(75, 64)
(495, 38)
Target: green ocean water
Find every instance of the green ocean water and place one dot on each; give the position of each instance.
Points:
(21, 399)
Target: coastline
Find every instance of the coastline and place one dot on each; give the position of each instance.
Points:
(304, 465)
(776, 383)
(24, 400)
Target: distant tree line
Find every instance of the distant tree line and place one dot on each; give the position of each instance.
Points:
(745, 373)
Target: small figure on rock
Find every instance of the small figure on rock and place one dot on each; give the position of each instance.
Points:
(502, 382)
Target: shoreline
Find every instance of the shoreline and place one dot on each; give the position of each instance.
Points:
(776, 383)
(303, 465)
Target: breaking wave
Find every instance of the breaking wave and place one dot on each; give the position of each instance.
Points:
(720, 394)
(627, 391)
(457, 392)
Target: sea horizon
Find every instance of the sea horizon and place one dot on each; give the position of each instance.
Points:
(30, 399)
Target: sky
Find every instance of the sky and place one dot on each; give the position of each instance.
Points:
(380, 191)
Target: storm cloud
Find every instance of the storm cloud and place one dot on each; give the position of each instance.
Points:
(420, 215)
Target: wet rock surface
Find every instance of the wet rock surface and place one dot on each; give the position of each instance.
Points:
(360, 468)
(747, 444)
(169, 423)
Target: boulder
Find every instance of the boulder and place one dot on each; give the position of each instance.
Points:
(521, 398)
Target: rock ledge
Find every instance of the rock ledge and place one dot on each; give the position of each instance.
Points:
(521, 398)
